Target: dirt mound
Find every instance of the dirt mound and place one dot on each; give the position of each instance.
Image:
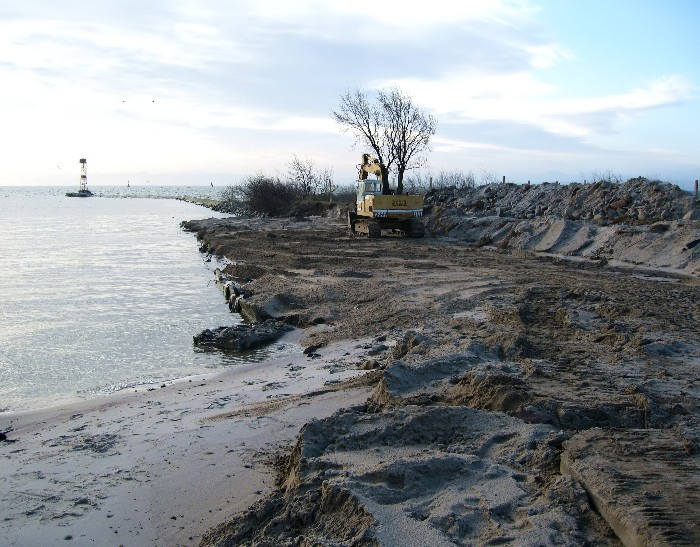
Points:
(415, 476)
(638, 200)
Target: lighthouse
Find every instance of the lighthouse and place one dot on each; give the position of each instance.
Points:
(83, 192)
(83, 175)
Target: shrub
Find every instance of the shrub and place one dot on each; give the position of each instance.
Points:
(606, 176)
(345, 194)
(259, 195)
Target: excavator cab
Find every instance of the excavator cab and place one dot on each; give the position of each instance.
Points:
(368, 188)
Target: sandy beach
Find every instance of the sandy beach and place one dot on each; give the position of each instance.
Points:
(454, 390)
(162, 464)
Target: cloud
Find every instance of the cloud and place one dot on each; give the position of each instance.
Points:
(522, 98)
(588, 116)
(388, 15)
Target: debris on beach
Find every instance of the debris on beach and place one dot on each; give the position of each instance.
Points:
(244, 336)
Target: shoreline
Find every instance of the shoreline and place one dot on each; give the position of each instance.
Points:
(139, 386)
(112, 465)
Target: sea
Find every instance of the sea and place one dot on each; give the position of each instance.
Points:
(104, 293)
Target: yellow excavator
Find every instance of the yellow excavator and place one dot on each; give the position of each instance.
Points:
(376, 211)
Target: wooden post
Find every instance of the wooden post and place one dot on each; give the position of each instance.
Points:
(696, 189)
(504, 179)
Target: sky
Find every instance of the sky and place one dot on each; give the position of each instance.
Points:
(212, 91)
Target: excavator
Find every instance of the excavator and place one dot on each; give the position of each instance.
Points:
(376, 211)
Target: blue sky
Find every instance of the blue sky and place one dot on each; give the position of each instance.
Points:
(175, 92)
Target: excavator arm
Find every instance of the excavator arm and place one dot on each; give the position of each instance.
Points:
(369, 166)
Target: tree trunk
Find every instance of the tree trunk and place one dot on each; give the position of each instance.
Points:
(399, 182)
(385, 180)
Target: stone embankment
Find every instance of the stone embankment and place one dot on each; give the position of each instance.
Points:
(637, 201)
(639, 222)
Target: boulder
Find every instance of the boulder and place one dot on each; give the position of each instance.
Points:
(619, 204)
(244, 336)
(693, 214)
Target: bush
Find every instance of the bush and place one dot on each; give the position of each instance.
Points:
(606, 176)
(259, 195)
(267, 196)
(230, 201)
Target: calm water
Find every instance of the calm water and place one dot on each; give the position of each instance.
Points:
(100, 294)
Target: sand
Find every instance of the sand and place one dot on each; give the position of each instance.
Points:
(493, 361)
(161, 465)
(458, 392)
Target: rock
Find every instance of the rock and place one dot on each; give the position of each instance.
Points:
(232, 289)
(377, 349)
(693, 214)
(241, 337)
(234, 303)
(251, 312)
(619, 204)
(312, 349)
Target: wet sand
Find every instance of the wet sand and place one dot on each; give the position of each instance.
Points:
(161, 465)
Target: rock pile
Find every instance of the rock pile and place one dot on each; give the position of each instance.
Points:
(640, 222)
(637, 201)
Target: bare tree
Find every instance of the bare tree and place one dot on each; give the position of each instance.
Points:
(409, 130)
(302, 176)
(395, 128)
(368, 125)
(325, 182)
